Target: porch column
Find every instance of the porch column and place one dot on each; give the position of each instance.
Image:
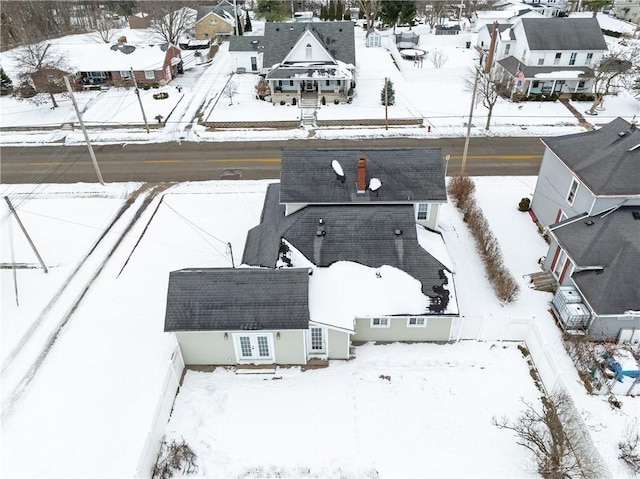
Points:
(529, 88)
(319, 88)
(553, 87)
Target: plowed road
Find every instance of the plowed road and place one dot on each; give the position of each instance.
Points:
(159, 162)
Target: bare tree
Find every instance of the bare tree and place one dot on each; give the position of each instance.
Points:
(615, 70)
(629, 447)
(105, 30)
(370, 9)
(553, 437)
(438, 58)
(41, 71)
(490, 87)
(230, 90)
(170, 20)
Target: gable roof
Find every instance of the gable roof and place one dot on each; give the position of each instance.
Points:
(365, 234)
(563, 34)
(408, 175)
(603, 159)
(226, 16)
(216, 299)
(609, 242)
(336, 37)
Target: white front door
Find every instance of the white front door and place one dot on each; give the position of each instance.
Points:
(253, 347)
(317, 341)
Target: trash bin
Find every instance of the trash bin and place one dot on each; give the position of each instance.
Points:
(468, 44)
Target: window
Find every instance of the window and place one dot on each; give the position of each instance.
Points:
(316, 339)
(535, 84)
(379, 322)
(507, 47)
(572, 60)
(309, 51)
(279, 82)
(263, 346)
(572, 191)
(581, 84)
(245, 346)
(416, 322)
(327, 82)
(556, 60)
(150, 75)
(213, 21)
(589, 58)
(290, 82)
(125, 74)
(540, 61)
(423, 211)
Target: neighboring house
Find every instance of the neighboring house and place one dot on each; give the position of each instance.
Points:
(482, 18)
(101, 63)
(628, 10)
(587, 200)
(337, 257)
(214, 23)
(316, 59)
(139, 21)
(550, 55)
(548, 8)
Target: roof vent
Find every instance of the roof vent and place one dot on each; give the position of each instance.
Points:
(636, 215)
(337, 168)
(254, 42)
(622, 133)
(320, 221)
(397, 231)
(321, 232)
(589, 223)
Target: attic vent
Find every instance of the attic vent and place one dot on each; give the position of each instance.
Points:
(253, 42)
(622, 133)
(397, 232)
(636, 215)
(588, 222)
(277, 29)
(339, 29)
(320, 221)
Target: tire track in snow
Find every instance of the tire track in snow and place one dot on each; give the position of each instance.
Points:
(151, 191)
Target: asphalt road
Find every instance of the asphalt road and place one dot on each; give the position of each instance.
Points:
(163, 162)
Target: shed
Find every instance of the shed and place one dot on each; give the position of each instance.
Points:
(372, 39)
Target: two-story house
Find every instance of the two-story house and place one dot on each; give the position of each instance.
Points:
(339, 256)
(549, 55)
(587, 201)
(315, 59)
(214, 23)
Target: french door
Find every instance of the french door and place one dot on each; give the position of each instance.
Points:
(253, 347)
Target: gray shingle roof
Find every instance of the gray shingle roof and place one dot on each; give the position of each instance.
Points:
(361, 233)
(612, 242)
(602, 159)
(216, 299)
(558, 34)
(408, 175)
(511, 63)
(245, 43)
(336, 37)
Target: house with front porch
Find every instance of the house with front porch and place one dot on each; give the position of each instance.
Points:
(587, 202)
(549, 55)
(313, 59)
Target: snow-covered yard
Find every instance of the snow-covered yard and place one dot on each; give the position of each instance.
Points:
(397, 410)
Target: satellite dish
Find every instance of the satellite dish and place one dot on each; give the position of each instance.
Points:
(337, 168)
(375, 184)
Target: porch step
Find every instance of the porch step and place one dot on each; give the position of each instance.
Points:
(316, 364)
(255, 369)
(543, 281)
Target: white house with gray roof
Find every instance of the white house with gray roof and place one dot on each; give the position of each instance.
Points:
(549, 55)
(313, 59)
(587, 200)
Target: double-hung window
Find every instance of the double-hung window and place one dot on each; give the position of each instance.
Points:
(379, 322)
(416, 322)
(571, 195)
(149, 74)
(423, 211)
(572, 59)
(556, 60)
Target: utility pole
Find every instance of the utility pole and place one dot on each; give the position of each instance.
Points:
(235, 14)
(84, 131)
(24, 230)
(144, 116)
(386, 106)
(233, 263)
(466, 140)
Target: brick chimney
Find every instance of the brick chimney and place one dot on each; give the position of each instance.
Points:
(361, 175)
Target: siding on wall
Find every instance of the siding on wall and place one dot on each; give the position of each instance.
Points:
(608, 327)
(290, 348)
(338, 344)
(438, 328)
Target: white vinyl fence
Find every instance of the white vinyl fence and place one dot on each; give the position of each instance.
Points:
(502, 328)
(170, 386)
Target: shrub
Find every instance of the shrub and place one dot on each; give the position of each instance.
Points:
(282, 102)
(525, 204)
(294, 101)
(176, 457)
(323, 101)
(161, 96)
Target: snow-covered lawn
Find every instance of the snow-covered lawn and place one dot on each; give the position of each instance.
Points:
(397, 410)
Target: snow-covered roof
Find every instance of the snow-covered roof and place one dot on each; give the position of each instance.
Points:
(608, 23)
(108, 57)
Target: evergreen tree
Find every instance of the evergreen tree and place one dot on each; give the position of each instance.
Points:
(6, 85)
(247, 24)
(239, 24)
(323, 13)
(339, 10)
(408, 14)
(332, 10)
(391, 94)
